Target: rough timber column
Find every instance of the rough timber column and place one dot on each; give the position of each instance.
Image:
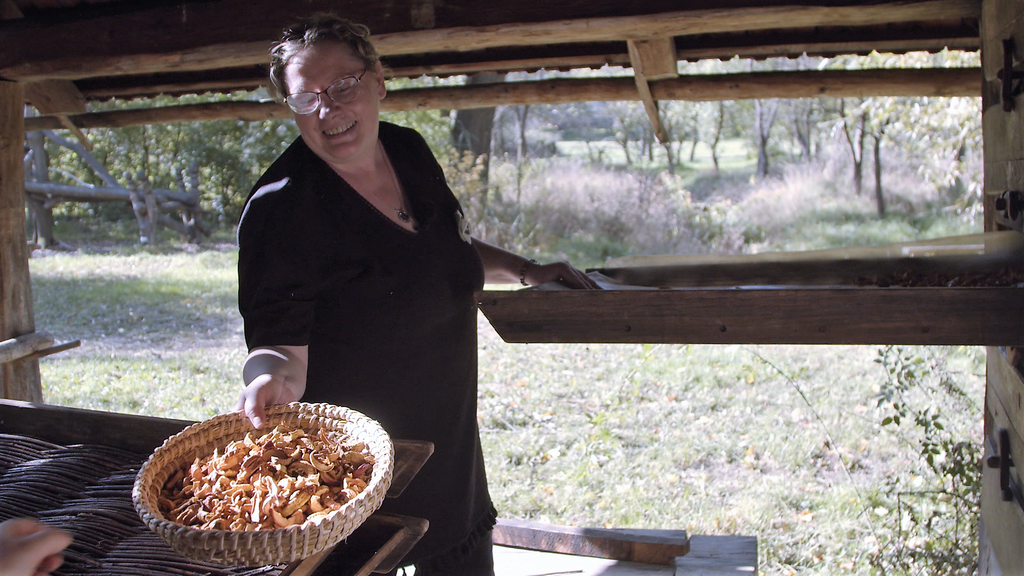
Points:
(1002, 510)
(19, 380)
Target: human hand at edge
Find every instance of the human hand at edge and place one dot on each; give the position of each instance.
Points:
(30, 548)
(273, 375)
(264, 390)
(560, 272)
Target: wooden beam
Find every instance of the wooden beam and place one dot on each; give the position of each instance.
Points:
(178, 38)
(761, 315)
(246, 111)
(58, 98)
(823, 41)
(652, 60)
(795, 84)
(631, 545)
(18, 380)
(681, 23)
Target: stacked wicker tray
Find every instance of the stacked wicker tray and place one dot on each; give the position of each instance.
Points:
(86, 489)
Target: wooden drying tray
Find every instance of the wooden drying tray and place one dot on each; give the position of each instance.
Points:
(783, 298)
(378, 544)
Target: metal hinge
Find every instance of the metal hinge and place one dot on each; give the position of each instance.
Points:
(1011, 85)
(1001, 459)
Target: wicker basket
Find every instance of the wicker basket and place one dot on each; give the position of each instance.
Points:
(262, 547)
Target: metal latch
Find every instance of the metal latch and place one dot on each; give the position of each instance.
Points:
(1002, 460)
(1009, 210)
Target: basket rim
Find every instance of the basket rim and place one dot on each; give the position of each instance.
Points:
(149, 478)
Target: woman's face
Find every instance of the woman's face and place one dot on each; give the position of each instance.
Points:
(343, 135)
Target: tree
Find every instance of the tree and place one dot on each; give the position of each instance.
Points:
(764, 118)
(852, 125)
(471, 130)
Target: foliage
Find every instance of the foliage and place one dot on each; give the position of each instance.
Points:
(938, 527)
(230, 155)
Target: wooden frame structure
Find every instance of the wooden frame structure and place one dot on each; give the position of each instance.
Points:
(58, 56)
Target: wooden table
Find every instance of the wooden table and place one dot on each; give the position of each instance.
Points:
(378, 545)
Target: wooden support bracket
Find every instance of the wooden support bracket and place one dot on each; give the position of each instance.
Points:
(61, 99)
(652, 60)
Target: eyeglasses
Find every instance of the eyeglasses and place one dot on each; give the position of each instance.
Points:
(343, 91)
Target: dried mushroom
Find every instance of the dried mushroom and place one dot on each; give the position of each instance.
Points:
(283, 478)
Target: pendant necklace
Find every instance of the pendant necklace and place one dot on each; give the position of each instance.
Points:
(400, 211)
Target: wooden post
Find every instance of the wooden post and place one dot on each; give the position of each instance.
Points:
(19, 380)
(1002, 512)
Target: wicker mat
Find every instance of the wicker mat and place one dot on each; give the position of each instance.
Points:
(87, 490)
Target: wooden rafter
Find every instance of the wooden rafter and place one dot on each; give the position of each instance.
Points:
(794, 84)
(200, 44)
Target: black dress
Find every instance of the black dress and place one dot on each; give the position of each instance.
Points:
(388, 315)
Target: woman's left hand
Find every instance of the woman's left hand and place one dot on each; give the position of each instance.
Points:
(30, 548)
(561, 272)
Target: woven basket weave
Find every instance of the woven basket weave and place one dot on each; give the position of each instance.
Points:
(262, 547)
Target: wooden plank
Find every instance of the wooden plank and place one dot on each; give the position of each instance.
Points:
(18, 380)
(646, 546)
(678, 23)
(191, 36)
(63, 425)
(719, 556)
(827, 42)
(796, 84)
(1003, 520)
(804, 315)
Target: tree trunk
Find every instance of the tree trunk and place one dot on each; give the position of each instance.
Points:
(669, 156)
(472, 129)
(855, 141)
(719, 126)
(879, 198)
(521, 150)
(764, 118)
(40, 210)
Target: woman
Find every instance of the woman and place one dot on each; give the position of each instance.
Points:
(356, 283)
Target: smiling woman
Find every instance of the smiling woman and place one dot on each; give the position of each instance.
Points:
(357, 282)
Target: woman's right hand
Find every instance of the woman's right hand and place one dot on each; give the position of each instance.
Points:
(273, 375)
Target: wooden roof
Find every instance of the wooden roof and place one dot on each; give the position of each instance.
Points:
(66, 52)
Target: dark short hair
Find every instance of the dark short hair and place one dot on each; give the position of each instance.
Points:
(314, 30)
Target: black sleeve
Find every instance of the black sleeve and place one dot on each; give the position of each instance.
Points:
(277, 272)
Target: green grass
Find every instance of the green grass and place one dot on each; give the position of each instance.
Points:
(160, 333)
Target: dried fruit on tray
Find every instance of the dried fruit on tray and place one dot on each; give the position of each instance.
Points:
(279, 479)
